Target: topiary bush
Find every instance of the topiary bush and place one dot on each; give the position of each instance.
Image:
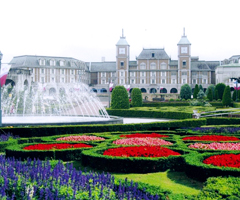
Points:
(226, 100)
(210, 95)
(196, 90)
(220, 88)
(120, 98)
(185, 92)
(136, 96)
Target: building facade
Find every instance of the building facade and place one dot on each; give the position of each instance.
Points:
(153, 71)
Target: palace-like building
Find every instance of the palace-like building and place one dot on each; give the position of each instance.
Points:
(153, 71)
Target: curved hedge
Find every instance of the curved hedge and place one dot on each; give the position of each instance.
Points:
(196, 169)
(95, 158)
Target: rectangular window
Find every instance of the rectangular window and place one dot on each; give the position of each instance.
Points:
(142, 66)
(72, 80)
(194, 73)
(122, 63)
(132, 74)
(204, 81)
(62, 80)
(163, 81)
(143, 74)
(153, 54)
(122, 74)
(173, 81)
(103, 74)
(153, 73)
(132, 81)
(113, 74)
(53, 80)
(62, 71)
(184, 63)
(184, 73)
(72, 71)
(173, 73)
(204, 73)
(122, 81)
(184, 81)
(52, 71)
(103, 81)
(42, 79)
(52, 62)
(42, 71)
(194, 81)
(153, 81)
(163, 73)
(143, 81)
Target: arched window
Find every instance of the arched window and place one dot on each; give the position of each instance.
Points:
(173, 90)
(62, 63)
(52, 62)
(153, 66)
(163, 65)
(142, 66)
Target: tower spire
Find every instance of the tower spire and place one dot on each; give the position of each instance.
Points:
(183, 31)
(122, 33)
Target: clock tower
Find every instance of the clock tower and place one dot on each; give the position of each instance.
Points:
(184, 60)
(122, 60)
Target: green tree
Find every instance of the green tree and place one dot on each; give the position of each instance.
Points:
(220, 88)
(196, 91)
(136, 96)
(212, 88)
(200, 94)
(200, 87)
(234, 95)
(185, 92)
(120, 98)
(226, 99)
(210, 94)
(216, 94)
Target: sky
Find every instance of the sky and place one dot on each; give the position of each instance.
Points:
(89, 29)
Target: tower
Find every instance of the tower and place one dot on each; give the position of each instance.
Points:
(184, 60)
(122, 60)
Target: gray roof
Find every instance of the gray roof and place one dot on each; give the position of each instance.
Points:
(173, 62)
(31, 61)
(230, 65)
(200, 66)
(235, 57)
(122, 41)
(158, 54)
(132, 63)
(213, 64)
(184, 40)
(102, 66)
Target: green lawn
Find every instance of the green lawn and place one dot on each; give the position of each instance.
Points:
(177, 182)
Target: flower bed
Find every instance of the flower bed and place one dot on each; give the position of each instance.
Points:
(216, 138)
(55, 146)
(142, 141)
(143, 135)
(216, 146)
(80, 138)
(141, 151)
(226, 160)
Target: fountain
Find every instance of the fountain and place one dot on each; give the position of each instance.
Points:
(44, 104)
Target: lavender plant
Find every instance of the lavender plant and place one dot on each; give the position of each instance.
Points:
(225, 130)
(6, 136)
(35, 179)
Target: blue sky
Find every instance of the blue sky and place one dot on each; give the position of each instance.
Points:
(89, 30)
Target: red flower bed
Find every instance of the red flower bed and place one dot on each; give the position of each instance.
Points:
(212, 138)
(55, 146)
(226, 160)
(143, 135)
(141, 151)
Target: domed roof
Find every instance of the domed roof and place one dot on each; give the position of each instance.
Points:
(122, 41)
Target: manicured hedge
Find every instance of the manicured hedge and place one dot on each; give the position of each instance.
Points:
(4, 145)
(95, 158)
(222, 120)
(149, 114)
(37, 131)
(163, 104)
(196, 169)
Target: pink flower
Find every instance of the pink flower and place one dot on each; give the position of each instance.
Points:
(147, 141)
(80, 138)
(217, 146)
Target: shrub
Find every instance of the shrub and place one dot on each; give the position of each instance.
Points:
(226, 100)
(216, 94)
(210, 94)
(120, 98)
(136, 96)
(213, 91)
(200, 94)
(220, 88)
(185, 92)
(196, 90)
